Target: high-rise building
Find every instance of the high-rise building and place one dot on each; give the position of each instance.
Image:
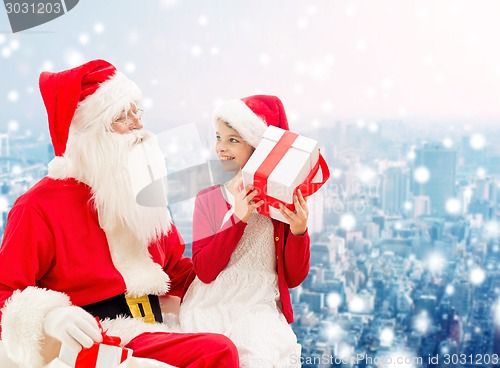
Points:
(485, 190)
(4, 153)
(316, 206)
(395, 190)
(474, 157)
(439, 164)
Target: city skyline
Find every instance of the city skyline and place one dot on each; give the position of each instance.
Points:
(390, 276)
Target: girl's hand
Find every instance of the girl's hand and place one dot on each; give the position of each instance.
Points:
(297, 218)
(243, 202)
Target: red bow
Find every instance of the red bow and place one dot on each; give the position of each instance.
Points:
(108, 340)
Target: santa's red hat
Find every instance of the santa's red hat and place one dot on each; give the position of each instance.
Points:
(95, 91)
(250, 116)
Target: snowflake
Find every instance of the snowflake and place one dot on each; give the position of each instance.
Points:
(264, 59)
(481, 172)
(333, 331)
(453, 206)
(477, 276)
(98, 28)
(386, 337)
(491, 229)
(402, 111)
(203, 20)
(448, 142)
(16, 170)
(373, 127)
(477, 141)
(6, 52)
(4, 204)
(333, 300)
(73, 57)
(14, 44)
(421, 174)
(47, 66)
(361, 46)
(348, 222)
(302, 23)
(83, 39)
(436, 262)
(411, 155)
(422, 322)
(336, 173)
(357, 305)
(449, 290)
(366, 174)
(214, 51)
(369, 92)
(147, 103)
(326, 107)
(130, 67)
(196, 50)
(12, 96)
(13, 126)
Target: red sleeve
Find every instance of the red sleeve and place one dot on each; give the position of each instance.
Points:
(26, 253)
(176, 265)
(296, 257)
(213, 245)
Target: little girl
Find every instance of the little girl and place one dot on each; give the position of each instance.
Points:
(246, 262)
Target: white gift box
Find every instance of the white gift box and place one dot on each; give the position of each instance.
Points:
(131, 362)
(282, 162)
(98, 356)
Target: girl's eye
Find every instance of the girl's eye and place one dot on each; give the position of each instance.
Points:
(234, 140)
(217, 137)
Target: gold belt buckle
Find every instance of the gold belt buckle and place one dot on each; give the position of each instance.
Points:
(141, 308)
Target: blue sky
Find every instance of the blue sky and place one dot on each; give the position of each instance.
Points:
(327, 60)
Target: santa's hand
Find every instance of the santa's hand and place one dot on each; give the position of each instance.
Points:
(73, 326)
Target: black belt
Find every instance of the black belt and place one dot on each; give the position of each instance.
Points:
(146, 307)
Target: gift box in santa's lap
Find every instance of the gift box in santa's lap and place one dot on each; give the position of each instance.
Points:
(107, 354)
(282, 163)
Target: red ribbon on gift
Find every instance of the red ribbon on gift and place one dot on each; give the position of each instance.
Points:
(87, 357)
(108, 340)
(307, 187)
(266, 168)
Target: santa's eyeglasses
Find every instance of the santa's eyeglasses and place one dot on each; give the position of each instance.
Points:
(129, 119)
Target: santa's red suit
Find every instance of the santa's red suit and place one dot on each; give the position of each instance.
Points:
(57, 252)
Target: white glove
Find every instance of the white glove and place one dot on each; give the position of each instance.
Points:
(73, 326)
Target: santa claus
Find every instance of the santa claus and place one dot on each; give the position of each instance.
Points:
(78, 245)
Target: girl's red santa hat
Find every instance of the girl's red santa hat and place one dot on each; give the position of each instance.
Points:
(250, 116)
(86, 98)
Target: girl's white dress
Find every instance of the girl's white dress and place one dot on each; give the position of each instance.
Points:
(241, 302)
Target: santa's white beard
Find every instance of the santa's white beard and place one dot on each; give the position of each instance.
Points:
(109, 163)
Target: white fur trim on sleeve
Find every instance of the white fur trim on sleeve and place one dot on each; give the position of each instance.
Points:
(22, 323)
(242, 119)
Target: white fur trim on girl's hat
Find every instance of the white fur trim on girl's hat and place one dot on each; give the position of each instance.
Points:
(250, 116)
